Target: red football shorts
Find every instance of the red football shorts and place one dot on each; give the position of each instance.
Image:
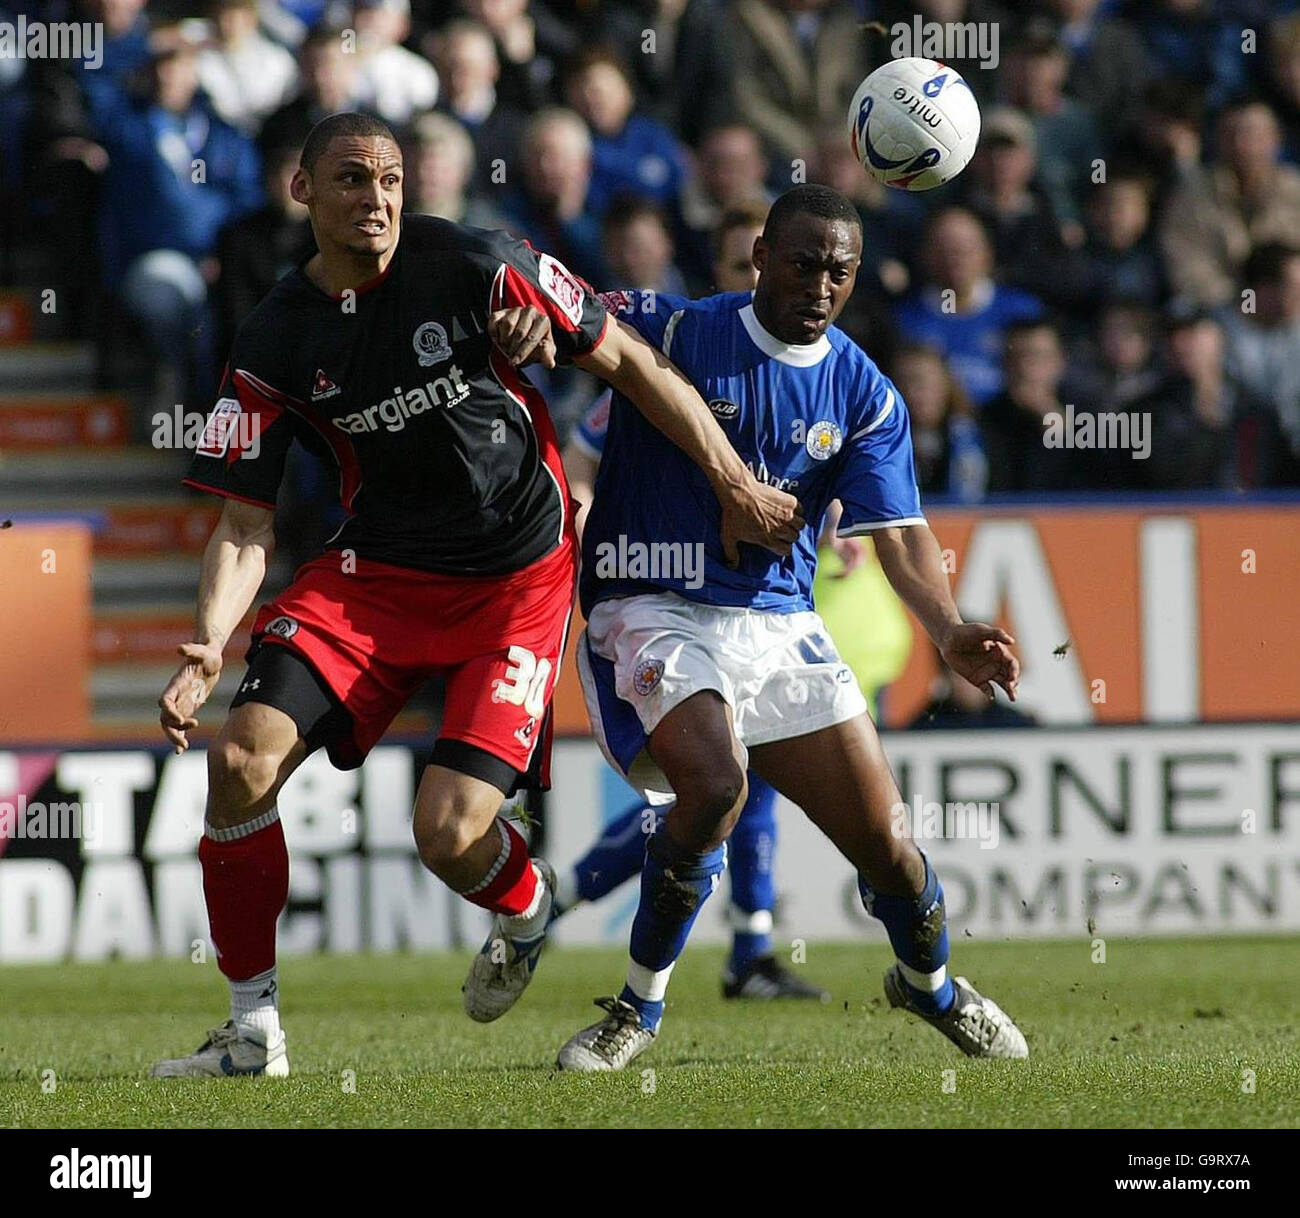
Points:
(376, 634)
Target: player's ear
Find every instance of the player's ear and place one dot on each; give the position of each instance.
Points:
(300, 187)
(759, 254)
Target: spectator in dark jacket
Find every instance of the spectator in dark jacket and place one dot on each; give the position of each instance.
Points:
(1013, 425)
(1001, 188)
(1120, 258)
(1209, 431)
(683, 76)
(257, 250)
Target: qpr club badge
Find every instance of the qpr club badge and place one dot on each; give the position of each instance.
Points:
(430, 343)
(824, 440)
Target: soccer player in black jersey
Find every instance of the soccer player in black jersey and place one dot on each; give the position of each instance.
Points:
(393, 354)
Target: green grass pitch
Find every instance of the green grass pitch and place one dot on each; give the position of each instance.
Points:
(1161, 1035)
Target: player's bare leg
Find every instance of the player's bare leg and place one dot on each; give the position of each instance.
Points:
(697, 750)
(245, 884)
(841, 779)
(476, 853)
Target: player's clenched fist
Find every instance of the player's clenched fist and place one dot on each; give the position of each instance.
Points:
(188, 690)
(982, 654)
(524, 336)
(755, 512)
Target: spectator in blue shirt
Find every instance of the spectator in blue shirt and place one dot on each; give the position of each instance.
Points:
(960, 309)
(630, 153)
(177, 175)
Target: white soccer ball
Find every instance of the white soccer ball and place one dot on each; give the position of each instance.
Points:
(914, 124)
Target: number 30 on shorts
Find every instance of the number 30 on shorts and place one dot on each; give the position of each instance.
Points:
(525, 681)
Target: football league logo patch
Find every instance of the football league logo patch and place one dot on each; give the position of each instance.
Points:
(824, 440)
(647, 675)
(430, 343)
(219, 428)
(562, 286)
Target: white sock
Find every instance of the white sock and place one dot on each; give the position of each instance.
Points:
(255, 1004)
(532, 921)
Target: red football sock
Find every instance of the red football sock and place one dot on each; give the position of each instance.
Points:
(511, 882)
(246, 885)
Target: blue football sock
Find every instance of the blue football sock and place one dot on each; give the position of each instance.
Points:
(616, 856)
(675, 883)
(918, 932)
(749, 859)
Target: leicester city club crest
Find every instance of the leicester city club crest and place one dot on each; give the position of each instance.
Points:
(431, 344)
(647, 675)
(824, 440)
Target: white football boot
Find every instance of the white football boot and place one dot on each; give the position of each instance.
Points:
(505, 965)
(230, 1050)
(609, 1044)
(975, 1024)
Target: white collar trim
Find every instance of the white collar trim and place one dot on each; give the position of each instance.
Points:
(801, 355)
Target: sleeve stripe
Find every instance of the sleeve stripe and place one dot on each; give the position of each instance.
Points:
(876, 422)
(669, 330)
(872, 525)
(225, 494)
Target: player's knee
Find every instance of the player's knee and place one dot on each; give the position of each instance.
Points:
(713, 797)
(240, 776)
(443, 840)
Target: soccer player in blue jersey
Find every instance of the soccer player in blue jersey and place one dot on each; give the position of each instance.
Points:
(701, 660)
(752, 969)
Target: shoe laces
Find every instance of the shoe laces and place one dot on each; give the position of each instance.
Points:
(618, 1028)
(979, 1022)
(221, 1038)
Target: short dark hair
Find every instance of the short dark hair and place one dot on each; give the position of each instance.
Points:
(627, 209)
(810, 200)
(752, 214)
(330, 128)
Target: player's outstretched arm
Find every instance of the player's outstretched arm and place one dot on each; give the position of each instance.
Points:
(751, 511)
(979, 652)
(234, 565)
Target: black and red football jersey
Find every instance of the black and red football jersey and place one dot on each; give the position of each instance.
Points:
(446, 457)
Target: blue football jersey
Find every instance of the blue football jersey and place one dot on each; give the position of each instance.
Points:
(818, 420)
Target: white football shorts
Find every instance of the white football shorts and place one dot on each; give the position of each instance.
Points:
(640, 656)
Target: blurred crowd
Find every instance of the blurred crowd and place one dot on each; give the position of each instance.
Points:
(1127, 238)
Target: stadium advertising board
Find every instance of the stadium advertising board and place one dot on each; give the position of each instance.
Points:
(1041, 833)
